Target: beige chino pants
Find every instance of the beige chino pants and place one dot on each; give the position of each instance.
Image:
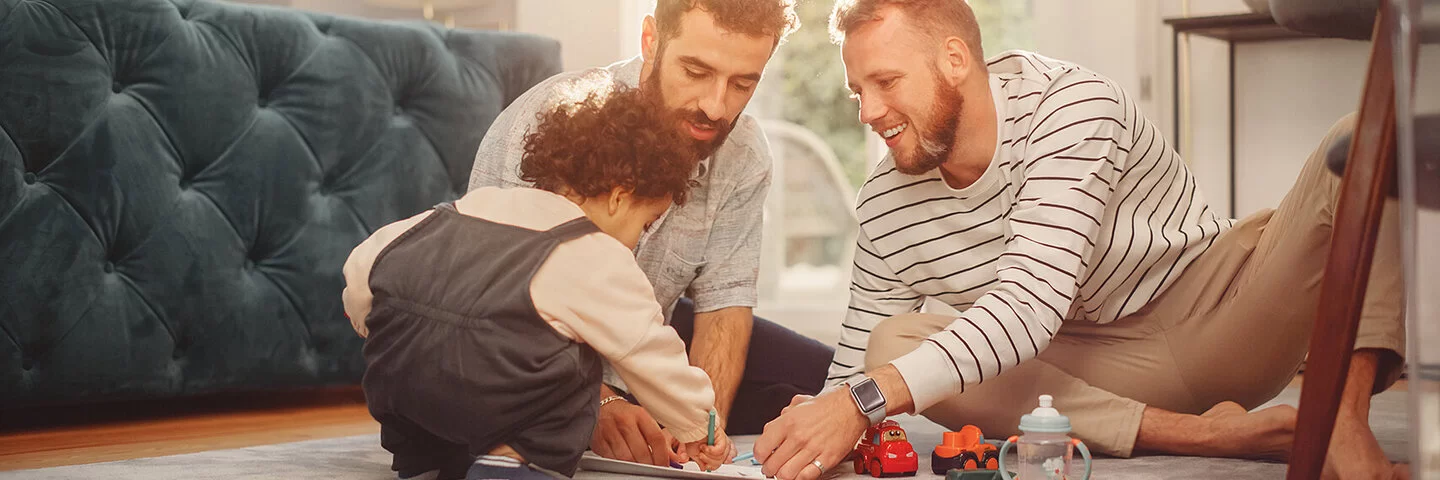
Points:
(1234, 326)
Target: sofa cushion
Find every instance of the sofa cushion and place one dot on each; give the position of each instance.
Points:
(181, 181)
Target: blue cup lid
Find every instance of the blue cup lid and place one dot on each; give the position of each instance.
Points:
(1045, 419)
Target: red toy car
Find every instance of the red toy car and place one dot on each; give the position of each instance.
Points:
(885, 452)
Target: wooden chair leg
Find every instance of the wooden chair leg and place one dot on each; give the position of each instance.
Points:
(1368, 173)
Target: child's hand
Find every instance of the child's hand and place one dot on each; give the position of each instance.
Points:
(711, 457)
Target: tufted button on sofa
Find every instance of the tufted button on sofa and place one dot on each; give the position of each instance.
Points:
(181, 181)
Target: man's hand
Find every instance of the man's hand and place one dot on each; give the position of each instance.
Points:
(796, 400)
(824, 428)
(627, 432)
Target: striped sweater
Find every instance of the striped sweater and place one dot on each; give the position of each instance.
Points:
(1084, 214)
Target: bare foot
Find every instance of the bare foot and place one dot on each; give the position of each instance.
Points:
(1265, 434)
(1355, 454)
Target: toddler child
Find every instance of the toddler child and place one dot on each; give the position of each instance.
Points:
(486, 319)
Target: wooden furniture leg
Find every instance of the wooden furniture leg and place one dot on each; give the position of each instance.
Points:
(1368, 174)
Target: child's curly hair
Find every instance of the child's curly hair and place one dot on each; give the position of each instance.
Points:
(614, 137)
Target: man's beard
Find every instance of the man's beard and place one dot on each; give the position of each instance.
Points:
(937, 139)
(705, 148)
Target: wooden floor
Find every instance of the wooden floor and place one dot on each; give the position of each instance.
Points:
(72, 436)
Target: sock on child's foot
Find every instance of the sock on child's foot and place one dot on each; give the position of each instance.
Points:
(493, 467)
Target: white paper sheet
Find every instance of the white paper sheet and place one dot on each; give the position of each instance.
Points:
(593, 462)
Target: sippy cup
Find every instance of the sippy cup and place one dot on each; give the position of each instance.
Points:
(1045, 446)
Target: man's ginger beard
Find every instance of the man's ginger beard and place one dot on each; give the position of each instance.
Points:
(937, 138)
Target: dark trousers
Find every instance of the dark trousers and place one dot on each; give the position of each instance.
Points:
(415, 450)
(780, 365)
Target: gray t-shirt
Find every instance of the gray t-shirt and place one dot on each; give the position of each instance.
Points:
(707, 249)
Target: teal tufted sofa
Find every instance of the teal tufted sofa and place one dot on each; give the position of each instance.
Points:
(181, 181)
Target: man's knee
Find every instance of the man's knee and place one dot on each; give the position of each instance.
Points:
(899, 335)
(1334, 149)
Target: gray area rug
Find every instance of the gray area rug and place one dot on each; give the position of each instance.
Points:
(361, 458)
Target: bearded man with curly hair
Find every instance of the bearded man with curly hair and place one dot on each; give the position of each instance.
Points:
(701, 59)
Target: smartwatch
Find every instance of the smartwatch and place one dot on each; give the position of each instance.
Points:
(868, 397)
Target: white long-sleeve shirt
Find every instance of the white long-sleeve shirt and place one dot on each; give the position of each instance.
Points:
(1084, 214)
(590, 290)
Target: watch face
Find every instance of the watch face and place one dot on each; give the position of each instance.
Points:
(869, 395)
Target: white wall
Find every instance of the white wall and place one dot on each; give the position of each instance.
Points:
(1099, 34)
(632, 16)
(1287, 95)
(592, 33)
(1203, 135)
(1127, 41)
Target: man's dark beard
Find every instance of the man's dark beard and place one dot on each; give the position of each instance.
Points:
(937, 140)
(693, 115)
